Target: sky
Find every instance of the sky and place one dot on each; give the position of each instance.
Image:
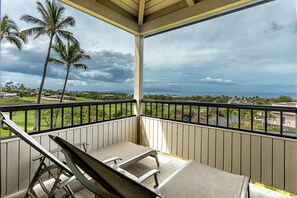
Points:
(253, 51)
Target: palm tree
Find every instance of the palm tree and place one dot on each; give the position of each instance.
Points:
(69, 55)
(10, 32)
(52, 24)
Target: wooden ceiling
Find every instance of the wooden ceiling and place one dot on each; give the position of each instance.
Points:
(146, 17)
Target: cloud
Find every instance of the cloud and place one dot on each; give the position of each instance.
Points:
(105, 65)
(216, 81)
(253, 46)
(77, 83)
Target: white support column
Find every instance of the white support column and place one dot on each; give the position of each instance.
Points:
(138, 79)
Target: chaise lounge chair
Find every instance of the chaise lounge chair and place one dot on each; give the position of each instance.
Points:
(127, 152)
(192, 180)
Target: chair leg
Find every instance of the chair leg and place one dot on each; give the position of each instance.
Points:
(30, 192)
(155, 155)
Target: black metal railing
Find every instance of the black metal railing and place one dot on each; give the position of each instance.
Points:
(48, 117)
(269, 120)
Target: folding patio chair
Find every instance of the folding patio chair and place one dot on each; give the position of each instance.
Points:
(42, 168)
(127, 152)
(192, 180)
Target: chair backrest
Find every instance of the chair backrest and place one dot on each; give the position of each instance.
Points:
(110, 179)
(32, 142)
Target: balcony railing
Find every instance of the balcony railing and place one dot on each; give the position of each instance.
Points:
(265, 120)
(47, 117)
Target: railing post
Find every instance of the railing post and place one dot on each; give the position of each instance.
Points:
(138, 80)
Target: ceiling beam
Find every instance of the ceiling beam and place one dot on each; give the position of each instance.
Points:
(141, 12)
(105, 13)
(200, 11)
(190, 2)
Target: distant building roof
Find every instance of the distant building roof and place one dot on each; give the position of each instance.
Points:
(6, 94)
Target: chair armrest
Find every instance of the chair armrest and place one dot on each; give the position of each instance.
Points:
(114, 159)
(144, 177)
(84, 144)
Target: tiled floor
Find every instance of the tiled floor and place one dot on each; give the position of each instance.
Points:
(168, 165)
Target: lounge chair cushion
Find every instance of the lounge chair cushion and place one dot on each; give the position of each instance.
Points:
(129, 152)
(198, 180)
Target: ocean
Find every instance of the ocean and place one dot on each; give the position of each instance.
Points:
(231, 94)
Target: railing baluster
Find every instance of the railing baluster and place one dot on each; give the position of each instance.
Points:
(266, 117)
(156, 109)
(168, 110)
(26, 121)
(198, 115)
(39, 119)
(116, 110)
(72, 116)
(190, 113)
(217, 117)
(81, 114)
(151, 109)
(62, 117)
(281, 123)
(182, 113)
(175, 111)
(207, 112)
(51, 120)
(103, 116)
(126, 109)
(145, 104)
(227, 117)
(89, 113)
(252, 119)
(109, 111)
(239, 117)
(131, 109)
(162, 110)
(121, 110)
(96, 119)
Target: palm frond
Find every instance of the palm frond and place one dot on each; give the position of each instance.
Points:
(34, 31)
(30, 19)
(10, 32)
(22, 37)
(69, 21)
(70, 54)
(58, 40)
(16, 41)
(61, 50)
(8, 25)
(80, 66)
(67, 36)
(42, 11)
(56, 61)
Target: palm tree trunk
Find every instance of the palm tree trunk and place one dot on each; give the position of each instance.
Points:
(66, 78)
(62, 96)
(42, 81)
